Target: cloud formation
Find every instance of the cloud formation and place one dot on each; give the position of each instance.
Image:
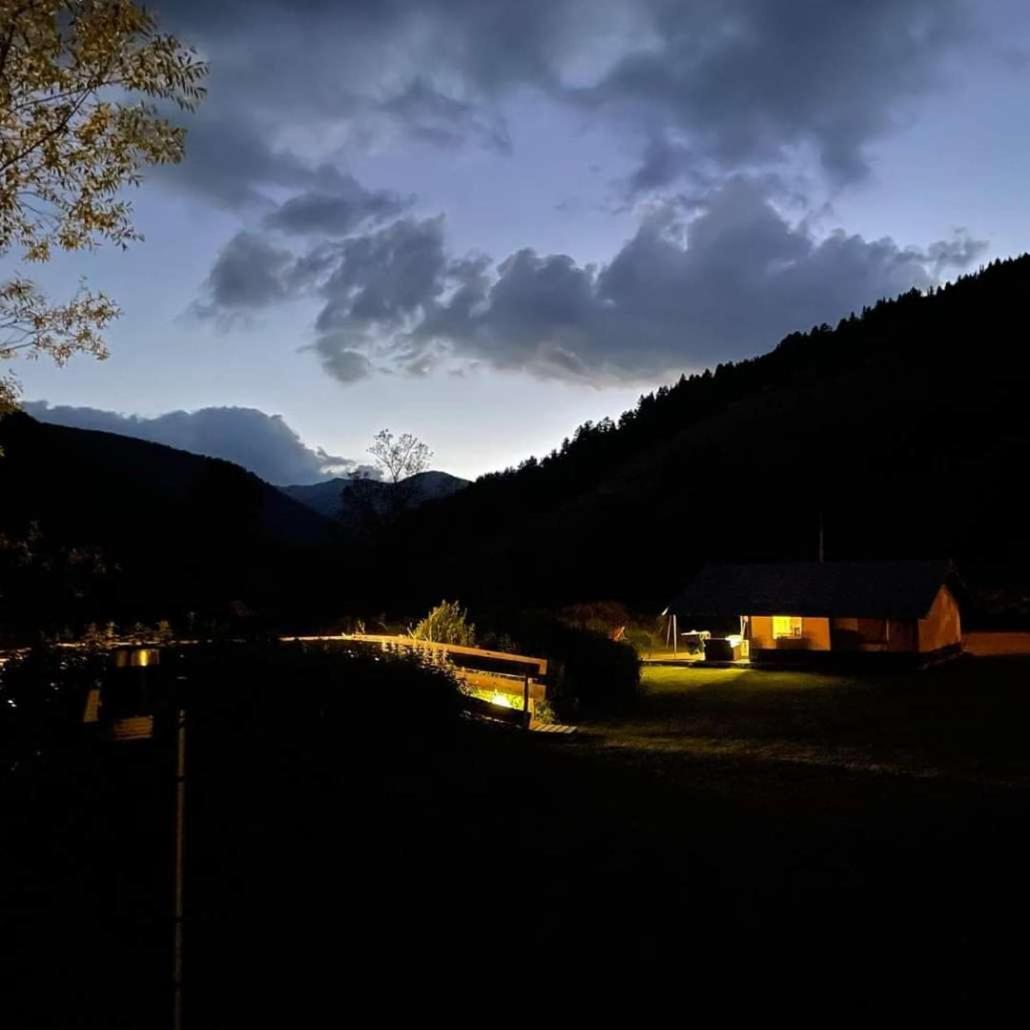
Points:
(724, 280)
(335, 209)
(249, 273)
(262, 443)
(727, 85)
(735, 84)
(719, 100)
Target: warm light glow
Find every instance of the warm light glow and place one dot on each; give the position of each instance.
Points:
(503, 700)
(137, 657)
(786, 625)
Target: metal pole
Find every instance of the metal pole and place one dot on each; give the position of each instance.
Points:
(180, 812)
(526, 717)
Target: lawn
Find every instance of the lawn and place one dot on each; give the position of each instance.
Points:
(969, 719)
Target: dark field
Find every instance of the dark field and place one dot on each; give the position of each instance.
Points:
(754, 840)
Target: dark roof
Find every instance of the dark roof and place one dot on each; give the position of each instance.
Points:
(887, 589)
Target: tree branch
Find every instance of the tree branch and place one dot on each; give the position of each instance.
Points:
(5, 47)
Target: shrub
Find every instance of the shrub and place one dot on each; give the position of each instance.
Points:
(447, 623)
(42, 694)
(647, 636)
(295, 694)
(588, 674)
(605, 617)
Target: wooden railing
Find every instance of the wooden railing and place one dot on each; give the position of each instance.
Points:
(496, 673)
(483, 671)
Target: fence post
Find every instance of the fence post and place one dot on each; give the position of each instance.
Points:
(180, 813)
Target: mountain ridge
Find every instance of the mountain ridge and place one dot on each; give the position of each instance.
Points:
(329, 498)
(169, 529)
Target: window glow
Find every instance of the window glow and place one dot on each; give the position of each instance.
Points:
(786, 625)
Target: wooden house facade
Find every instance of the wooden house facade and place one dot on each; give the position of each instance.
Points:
(793, 613)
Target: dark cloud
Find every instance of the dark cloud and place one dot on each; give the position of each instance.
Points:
(336, 212)
(432, 116)
(369, 276)
(265, 444)
(723, 85)
(737, 84)
(663, 162)
(249, 273)
(294, 79)
(725, 282)
(381, 284)
(230, 161)
(339, 361)
(958, 252)
(383, 278)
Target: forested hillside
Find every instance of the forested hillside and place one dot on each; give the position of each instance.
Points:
(95, 525)
(905, 430)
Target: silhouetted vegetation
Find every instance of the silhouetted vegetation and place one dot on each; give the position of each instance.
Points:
(43, 689)
(902, 428)
(308, 731)
(95, 527)
(588, 674)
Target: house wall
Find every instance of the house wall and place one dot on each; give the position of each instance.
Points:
(815, 634)
(943, 625)
(904, 635)
(853, 634)
(941, 628)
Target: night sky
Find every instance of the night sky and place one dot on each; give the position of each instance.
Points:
(485, 221)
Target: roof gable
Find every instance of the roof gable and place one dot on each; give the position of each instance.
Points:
(887, 589)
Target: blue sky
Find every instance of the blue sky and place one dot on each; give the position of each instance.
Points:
(488, 222)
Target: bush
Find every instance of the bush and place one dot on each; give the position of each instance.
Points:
(325, 683)
(42, 695)
(647, 636)
(300, 694)
(588, 674)
(447, 623)
(605, 617)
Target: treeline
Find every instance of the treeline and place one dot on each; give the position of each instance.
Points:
(899, 429)
(944, 320)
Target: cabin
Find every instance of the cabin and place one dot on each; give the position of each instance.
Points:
(802, 613)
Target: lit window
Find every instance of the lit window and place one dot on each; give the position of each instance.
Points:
(786, 625)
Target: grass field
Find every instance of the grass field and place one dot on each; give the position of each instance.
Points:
(969, 719)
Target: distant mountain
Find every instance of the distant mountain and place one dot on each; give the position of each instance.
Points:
(345, 498)
(904, 431)
(163, 529)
